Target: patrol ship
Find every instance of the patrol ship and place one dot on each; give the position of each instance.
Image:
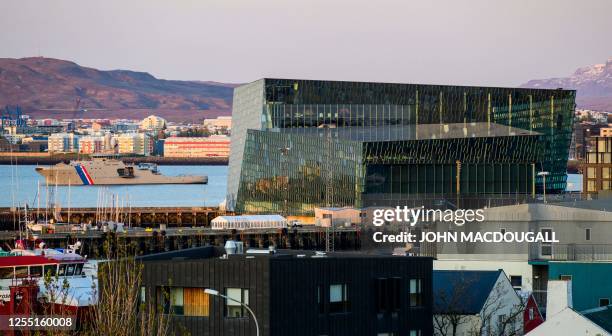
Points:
(103, 171)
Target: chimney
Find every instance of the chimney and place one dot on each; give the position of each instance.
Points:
(558, 296)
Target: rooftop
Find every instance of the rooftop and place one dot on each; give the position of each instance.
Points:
(463, 292)
(413, 84)
(208, 252)
(601, 316)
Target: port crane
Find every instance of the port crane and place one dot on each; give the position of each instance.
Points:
(11, 116)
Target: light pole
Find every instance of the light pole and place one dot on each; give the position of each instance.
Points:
(216, 293)
(544, 174)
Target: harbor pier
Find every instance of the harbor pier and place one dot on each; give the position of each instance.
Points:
(136, 217)
(154, 230)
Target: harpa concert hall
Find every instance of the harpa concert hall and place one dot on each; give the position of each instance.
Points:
(301, 144)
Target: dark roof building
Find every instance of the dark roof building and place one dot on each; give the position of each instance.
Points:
(293, 293)
(462, 292)
(601, 316)
(301, 144)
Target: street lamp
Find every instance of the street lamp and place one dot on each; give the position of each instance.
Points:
(544, 174)
(216, 293)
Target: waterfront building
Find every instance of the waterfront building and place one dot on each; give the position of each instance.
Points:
(218, 124)
(597, 170)
(5, 145)
(301, 144)
(48, 122)
(605, 131)
(119, 126)
(153, 123)
(63, 143)
(91, 144)
(14, 138)
(197, 147)
(293, 292)
(328, 217)
(34, 144)
(134, 143)
(158, 147)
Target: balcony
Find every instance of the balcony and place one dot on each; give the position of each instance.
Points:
(570, 252)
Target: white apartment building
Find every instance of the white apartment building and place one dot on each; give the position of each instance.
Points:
(134, 143)
(153, 123)
(216, 124)
(63, 143)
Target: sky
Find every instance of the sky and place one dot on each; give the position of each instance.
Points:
(475, 42)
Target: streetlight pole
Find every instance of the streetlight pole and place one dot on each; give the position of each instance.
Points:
(216, 293)
(544, 174)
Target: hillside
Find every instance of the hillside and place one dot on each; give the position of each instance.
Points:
(593, 85)
(47, 87)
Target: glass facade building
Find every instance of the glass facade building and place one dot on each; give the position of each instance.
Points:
(299, 144)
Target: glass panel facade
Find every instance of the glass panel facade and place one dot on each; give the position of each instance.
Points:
(301, 144)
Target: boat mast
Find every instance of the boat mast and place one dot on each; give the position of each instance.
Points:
(69, 201)
(46, 200)
(37, 199)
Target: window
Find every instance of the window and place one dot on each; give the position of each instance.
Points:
(6, 272)
(143, 294)
(338, 298)
(21, 272)
(501, 319)
(50, 270)
(36, 271)
(70, 270)
(415, 332)
(565, 277)
(387, 295)
(170, 299)
(233, 308)
(176, 300)
(62, 270)
(546, 248)
(587, 234)
(181, 301)
(604, 302)
(516, 281)
(78, 269)
(415, 292)
(591, 185)
(531, 314)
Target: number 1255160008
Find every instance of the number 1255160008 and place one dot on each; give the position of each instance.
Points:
(42, 322)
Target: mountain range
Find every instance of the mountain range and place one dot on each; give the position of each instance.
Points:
(593, 85)
(47, 87)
